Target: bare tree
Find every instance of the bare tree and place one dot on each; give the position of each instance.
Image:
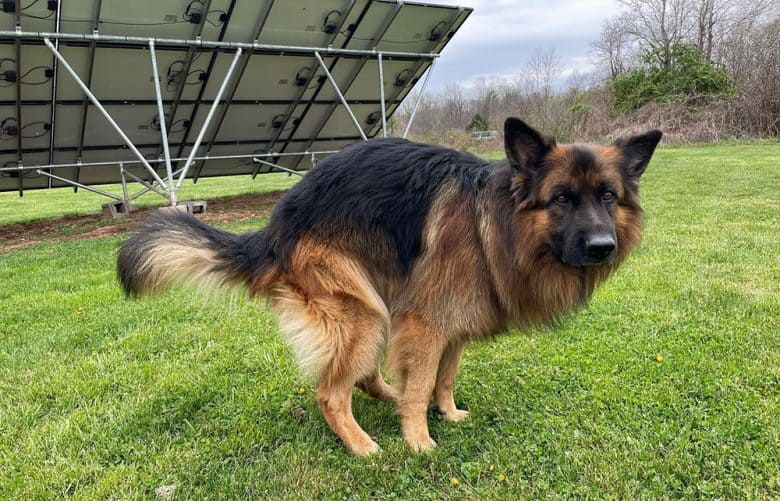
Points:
(716, 20)
(542, 72)
(659, 24)
(455, 106)
(612, 49)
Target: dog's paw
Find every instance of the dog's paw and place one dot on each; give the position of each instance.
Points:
(365, 448)
(422, 444)
(455, 415)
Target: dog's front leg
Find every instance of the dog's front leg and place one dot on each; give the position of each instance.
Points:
(415, 352)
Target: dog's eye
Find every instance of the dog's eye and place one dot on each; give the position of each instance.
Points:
(562, 199)
(608, 196)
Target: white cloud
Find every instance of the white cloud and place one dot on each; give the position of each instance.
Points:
(500, 36)
(511, 20)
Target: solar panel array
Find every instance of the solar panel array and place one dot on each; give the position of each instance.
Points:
(278, 101)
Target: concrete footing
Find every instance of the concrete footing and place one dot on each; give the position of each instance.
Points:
(118, 209)
(196, 207)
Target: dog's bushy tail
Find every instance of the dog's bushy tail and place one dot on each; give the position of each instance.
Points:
(173, 247)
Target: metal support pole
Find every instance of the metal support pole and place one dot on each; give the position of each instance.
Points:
(163, 127)
(206, 124)
(419, 98)
(103, 111)
(25, 168)
(257, 160)
(341, 96)
(255, 47)
(382, 96)
(18, 87)
(124, 183)
(83, 186)
(53, 108)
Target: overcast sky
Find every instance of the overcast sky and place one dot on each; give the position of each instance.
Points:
(500, 36)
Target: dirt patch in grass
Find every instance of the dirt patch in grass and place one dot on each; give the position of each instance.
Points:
(21, 235)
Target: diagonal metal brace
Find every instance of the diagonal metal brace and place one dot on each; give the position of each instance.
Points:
(275, 166)
(341, 96)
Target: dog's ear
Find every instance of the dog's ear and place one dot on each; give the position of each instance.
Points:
(637, 151)
(525, 147)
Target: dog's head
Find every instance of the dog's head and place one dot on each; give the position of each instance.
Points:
(585, 197)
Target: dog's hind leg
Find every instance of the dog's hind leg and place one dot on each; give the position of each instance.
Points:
(337, 327)
(376, 387)
(415, 351)
(443, 394)
(338, 341)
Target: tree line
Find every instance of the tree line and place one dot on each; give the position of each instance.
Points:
(700, 70)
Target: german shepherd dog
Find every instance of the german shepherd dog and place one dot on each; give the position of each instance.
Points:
(417, 249)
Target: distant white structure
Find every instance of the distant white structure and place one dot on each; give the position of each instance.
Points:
(484, 135)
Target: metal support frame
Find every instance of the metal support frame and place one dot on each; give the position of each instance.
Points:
(167, 188)
(172, 184)
(163, 128)
(102, 110)
(210, 115)
(150, 185)
(147, 187)
(165, 194)
(382, 96)
(143, 146)
(153, 102)
(341, 96)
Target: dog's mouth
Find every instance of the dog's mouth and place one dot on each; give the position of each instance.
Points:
(583, 260)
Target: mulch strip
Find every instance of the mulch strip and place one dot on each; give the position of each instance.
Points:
(21, 235)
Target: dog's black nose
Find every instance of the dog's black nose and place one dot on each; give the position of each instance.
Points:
(599, 247)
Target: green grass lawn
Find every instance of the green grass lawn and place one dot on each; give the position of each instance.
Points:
(666, 385)
(46, 204)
